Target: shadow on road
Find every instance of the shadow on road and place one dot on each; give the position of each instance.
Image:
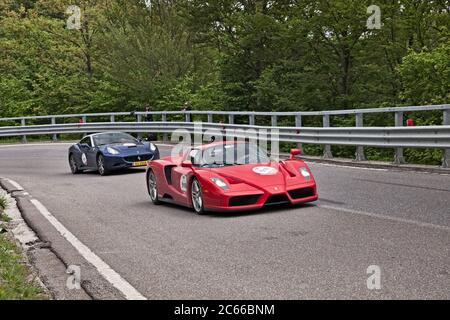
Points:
(113, 173)
(265, 210)
(184, 211)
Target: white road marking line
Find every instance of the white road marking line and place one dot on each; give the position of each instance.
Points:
(385, 217)
(393, 169)
(104, 269)
(345, 167)
(15, 185)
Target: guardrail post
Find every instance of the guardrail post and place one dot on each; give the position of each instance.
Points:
(231, 118)
(298, 124)
(399, 159)
(55, 136)
(446, 159)
(327, 149)
(23, 124)
(187, 117)
(112, 118)
(274, 134)
(84, 121)
(359, 156)
(164, 119)
(251, 119)
(210, 118)
(274, 120)
(139, 119)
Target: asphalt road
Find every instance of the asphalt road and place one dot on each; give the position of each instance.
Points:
(399, 221)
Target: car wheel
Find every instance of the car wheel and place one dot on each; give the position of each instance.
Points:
(101, 166)
(152, 187)
(73, 165)
(197, 197)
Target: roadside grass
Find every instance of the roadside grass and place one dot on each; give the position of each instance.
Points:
(16, 280)
(5, 218)
(3, 207)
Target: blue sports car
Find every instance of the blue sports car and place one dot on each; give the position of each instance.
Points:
(110, 151)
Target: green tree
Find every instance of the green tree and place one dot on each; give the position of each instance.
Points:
(426, 76)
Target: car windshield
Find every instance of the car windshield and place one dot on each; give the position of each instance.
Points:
(228, 155)
(113, 138)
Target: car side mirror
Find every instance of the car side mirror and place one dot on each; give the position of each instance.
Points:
(85, 146)
(295, 152)
(186, 164)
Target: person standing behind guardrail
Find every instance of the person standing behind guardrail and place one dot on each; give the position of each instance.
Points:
(149, 118)
(187, 107)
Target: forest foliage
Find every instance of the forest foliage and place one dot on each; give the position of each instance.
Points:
(284, 55)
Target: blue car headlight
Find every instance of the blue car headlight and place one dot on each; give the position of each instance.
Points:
(112, 151)
(152, 147)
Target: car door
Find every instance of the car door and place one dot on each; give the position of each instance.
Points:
(180, 181)
(88, 154)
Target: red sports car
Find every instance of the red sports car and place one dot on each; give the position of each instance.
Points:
(229, 176)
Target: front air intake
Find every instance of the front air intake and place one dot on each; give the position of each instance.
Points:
(243, 200)
(277, 199)
(144, 157)
(301, 193)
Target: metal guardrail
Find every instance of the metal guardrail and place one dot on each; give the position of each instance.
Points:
(390, 137)
(397, 137)
(244, 113)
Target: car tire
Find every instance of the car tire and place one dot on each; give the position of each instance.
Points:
(152, 187)
(101, 166)
(73, 165)
(197, 197)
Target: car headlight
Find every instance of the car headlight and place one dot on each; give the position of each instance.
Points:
(305, 173)
(112, 150)
(152, 147)
(220, 183)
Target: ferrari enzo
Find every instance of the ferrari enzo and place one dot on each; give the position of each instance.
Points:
(229, 176)
(106, 152)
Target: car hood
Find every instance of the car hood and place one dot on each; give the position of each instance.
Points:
(129, 148)
(261, 175)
